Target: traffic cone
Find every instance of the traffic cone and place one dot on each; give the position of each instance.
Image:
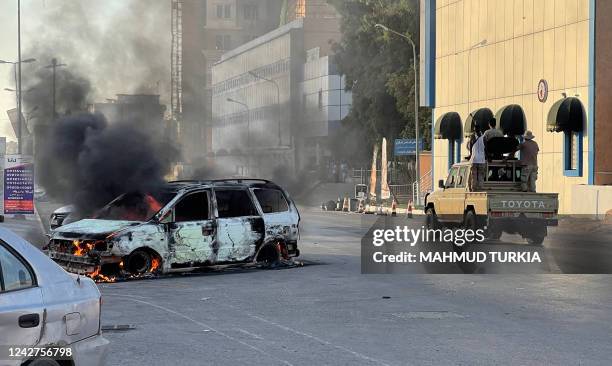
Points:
(394, 208)
(345, 205)
(409, 213)
(361, 208)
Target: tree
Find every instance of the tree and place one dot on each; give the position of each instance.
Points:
(379, 71)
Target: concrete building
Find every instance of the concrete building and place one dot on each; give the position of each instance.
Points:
(539, 65)
(142, 109)
(211, 28)
(276, 99)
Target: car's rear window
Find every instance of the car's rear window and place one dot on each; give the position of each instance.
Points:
(271, 200)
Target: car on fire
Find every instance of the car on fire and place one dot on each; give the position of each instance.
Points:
(45, 310)
(184, 225)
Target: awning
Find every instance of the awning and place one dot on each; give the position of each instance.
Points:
(511, 119)
(477, 121)
(448, 126)
(566, 115)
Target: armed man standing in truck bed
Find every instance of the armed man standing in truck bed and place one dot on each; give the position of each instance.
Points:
(529, 158)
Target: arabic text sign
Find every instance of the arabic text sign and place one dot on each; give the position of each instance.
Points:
(18, 185)
(405, 147)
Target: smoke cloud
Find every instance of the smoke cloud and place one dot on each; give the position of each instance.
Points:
(89, 162)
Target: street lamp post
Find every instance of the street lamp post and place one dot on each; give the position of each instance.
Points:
(17, 90)
(248, 113)
(416, 106)
(257, 76)
(54, 65)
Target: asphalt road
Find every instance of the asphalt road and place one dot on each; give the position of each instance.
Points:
(328, 313)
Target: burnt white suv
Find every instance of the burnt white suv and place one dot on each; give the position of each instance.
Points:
(186, 224)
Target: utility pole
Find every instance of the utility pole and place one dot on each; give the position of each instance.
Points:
(54, 65)
(19, 121)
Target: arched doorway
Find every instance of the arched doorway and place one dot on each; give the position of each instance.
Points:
(511, 120)
(449, 127)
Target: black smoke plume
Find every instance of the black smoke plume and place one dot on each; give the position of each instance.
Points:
(89, 162)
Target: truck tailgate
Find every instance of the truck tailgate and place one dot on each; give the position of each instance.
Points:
(526, 202)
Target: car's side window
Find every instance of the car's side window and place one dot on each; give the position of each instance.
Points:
(462, 177)
(450, 181)
(271, 200)
(193, 207)
(234, 203)
(14, 272)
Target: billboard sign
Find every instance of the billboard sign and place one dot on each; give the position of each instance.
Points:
(407, 147)
(18, 185)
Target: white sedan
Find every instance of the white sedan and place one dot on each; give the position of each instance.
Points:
(47, 316)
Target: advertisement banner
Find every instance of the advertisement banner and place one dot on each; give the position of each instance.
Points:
(18, 185)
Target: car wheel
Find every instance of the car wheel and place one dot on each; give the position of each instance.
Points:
(268, 255)
(139, 262)
(431, 220)
(494, 234)
(535, 240)
(43, 362)
(469, 223)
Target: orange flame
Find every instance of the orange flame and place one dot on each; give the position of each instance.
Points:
(81, 249)
(155, 262)
(99, 277)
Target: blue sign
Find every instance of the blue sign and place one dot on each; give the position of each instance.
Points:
(406, 147)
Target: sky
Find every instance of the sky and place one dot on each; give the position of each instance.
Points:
(88, 35)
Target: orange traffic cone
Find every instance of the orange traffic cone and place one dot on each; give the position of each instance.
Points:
(345, 205)
(409, 212)
(394, 208)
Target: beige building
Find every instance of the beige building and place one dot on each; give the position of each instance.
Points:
(533, 65)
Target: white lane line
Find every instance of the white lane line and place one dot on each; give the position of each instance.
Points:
(204, 325)
(323, 341)
(249, 333)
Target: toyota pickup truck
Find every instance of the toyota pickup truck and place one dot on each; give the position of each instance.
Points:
(500, 206)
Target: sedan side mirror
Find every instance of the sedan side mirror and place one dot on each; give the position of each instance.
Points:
(441, 184)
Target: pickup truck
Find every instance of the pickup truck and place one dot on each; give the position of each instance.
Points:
(500, 206)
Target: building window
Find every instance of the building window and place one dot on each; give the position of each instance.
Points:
(572, 154)
(251, 12)
(223, 42)
(300, 9)
(227, 11)
(219, 11)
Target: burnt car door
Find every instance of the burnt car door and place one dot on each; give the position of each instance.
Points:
(240, 228)
(192, 229)
(279, 219)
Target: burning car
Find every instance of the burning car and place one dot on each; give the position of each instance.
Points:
(184, 225)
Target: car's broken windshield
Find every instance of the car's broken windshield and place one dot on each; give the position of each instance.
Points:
(135, 206)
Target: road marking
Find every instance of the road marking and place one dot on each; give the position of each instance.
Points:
(342, 348)
(204, 325)
(249, 334)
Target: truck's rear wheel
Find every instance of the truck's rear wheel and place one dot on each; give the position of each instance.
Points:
(494, 234)
(535, 240)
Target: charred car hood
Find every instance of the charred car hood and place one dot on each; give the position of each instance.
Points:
(94, 229)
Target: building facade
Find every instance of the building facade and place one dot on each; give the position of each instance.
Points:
(538, 65)
(275, 100)
(211, 28)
